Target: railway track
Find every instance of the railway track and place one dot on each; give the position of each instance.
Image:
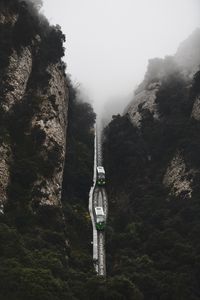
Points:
(98, 197)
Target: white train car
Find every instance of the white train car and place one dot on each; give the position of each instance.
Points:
(100, 218)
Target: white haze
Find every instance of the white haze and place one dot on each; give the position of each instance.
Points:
(109, 42)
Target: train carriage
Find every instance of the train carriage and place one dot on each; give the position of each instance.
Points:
(101, 178)
(100, 218)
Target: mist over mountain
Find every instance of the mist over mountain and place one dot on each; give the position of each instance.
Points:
(186, 61)
(113, 107)
(187, 54)
(180, 67)
(37, 3)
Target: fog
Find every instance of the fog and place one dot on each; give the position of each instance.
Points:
(109, 42)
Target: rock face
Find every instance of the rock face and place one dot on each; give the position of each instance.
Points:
(51, 121)
(17, 76)
(145, 99)
(166, 96)
(146, 94)
(33, 106)
(177, 178)
(185, 63)
(4, 172)
(196, 109)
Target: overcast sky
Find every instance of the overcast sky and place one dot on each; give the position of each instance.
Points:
(109, 42)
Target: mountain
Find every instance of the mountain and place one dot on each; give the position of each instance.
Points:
(152, 163)
(151, 156)
(46, 168)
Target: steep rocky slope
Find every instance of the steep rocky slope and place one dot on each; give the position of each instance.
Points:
(34, 96)
(153, 169)
(46, 165)
(164, 77)
(33, 103)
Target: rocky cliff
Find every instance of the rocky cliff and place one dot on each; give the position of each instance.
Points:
(33, 105)
(163, 75)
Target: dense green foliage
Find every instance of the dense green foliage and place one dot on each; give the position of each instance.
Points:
(78, 175)
(153, 236)
(79, 160)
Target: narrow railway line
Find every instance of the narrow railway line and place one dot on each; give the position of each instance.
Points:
(98, 198)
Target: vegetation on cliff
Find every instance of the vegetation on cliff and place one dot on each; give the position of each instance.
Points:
(153, 233)
(34, 252)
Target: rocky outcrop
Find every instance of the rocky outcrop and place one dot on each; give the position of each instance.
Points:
(177, 178)
(16, 78)
(51, 121)
(145, 99)
(167, 97)
(4, 172)
(185, 63)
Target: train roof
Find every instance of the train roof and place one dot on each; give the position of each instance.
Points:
(99, 211)
(100, 169)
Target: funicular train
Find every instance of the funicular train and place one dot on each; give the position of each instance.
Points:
(100, 218)
(101, 178)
